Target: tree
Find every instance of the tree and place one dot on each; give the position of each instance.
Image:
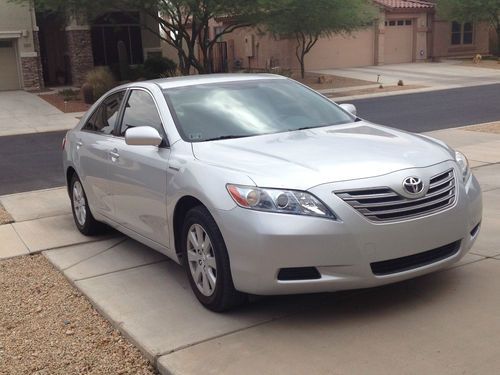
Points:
(307, 21)
(473, 11)
(184, 24)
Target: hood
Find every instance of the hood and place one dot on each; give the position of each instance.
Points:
(306, 158)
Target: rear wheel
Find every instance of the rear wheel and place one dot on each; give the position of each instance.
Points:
(207, 263)
(84, 220)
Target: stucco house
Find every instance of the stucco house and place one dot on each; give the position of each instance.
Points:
(406, 31)
(38, 49)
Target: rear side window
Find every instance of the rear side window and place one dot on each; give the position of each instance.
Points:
(103, 120)
(141, 111)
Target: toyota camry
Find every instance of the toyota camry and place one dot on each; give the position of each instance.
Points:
(259, 185)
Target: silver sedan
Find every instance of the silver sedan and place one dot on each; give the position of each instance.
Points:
(260, 185)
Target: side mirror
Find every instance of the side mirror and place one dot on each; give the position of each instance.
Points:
(351, 108)
(143, 136)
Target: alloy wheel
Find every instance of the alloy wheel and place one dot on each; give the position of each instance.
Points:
(201, 260)
(79, 203)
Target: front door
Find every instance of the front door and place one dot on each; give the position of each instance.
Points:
(139, 173)
(93, 143)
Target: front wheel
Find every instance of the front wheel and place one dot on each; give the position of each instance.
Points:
(207, 263)
(84, 220)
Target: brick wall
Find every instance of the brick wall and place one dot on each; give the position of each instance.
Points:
(31, 68)
(79, 48)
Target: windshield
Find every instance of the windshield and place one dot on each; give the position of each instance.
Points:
(242, 109)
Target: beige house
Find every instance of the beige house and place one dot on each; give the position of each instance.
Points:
(38, 49)
(19, 50)
(407, 31)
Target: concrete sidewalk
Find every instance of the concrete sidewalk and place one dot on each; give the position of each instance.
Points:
(24, 113)
(442, 323)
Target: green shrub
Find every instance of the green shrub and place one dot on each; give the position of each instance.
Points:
(158, 66)
(101, 79)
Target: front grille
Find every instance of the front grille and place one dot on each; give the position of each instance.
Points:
(384, 204)
(410, 262)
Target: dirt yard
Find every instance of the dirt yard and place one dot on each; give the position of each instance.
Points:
(325, 81)
(491, 64)
(57, 100)
(492, 127)
(373, 90)
(48, 327)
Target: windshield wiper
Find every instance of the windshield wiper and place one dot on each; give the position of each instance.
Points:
(222, 137)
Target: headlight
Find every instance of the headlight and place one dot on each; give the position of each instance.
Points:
(463, 164)
(277, 200)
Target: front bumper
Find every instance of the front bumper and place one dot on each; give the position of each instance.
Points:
(260, 243)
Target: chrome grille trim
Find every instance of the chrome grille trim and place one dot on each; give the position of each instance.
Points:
(383, 204)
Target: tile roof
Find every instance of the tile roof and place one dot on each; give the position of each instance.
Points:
(405, 4)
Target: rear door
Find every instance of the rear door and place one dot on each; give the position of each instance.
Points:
(139, 173)
(92, 152)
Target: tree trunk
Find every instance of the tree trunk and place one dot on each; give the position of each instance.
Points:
(498, 43)
(302, 66)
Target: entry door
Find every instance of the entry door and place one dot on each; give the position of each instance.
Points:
(139, 173)
(398, 44)
(9, 76)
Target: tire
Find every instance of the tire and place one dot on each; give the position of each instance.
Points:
(207, 262)
(84, 220)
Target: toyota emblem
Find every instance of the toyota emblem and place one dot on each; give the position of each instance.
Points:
(413, 185)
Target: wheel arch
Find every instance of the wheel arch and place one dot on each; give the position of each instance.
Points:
(182, 207)
(70, 172)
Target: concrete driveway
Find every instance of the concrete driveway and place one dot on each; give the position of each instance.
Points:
(22, 113)
(450, 74)
(444, 323)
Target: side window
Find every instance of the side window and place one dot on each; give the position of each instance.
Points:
(103, 120)
(140, 111)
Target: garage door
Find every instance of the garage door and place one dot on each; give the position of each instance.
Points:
(9, 78)
(398, 44)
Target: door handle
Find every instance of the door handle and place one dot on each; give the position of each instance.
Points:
(114, 155)
(79, 144)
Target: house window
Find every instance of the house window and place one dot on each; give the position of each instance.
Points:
(462, 33)
(399, 23)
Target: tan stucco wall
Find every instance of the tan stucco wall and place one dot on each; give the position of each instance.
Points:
(17, 21)
(150, 41)
(442, 46)
(340, 51)
(266, 48)
(334, 52)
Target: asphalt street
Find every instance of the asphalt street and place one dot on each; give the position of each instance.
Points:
(433, 110)
(32, 162)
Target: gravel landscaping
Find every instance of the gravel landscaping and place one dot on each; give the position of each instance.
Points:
(492, 127)
(48, 327)
(5, 217)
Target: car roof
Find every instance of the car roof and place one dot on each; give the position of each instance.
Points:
(202, 79)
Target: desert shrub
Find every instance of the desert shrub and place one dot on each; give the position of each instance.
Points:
(136, 73)
(68, 94)
(101, 79)
(158, 66)
(401, 83)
